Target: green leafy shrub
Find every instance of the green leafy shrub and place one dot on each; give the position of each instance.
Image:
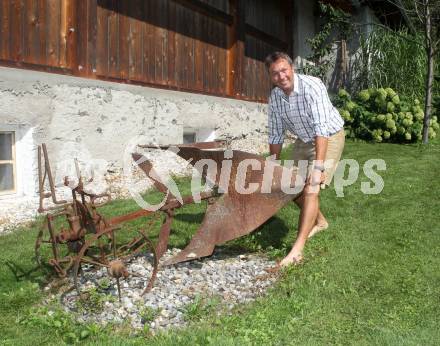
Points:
(93, 300)
(382, 115)
(148, 314)
(200, 307)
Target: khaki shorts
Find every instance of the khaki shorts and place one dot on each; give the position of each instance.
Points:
(306, 151)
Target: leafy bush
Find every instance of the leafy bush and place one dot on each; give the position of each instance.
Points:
(383, 116)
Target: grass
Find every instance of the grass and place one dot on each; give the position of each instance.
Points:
(371, 279)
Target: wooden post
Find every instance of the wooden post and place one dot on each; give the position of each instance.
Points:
(85, 29)
(235, 54)
(232, 38)
(92, 32)
(171, 76)
(71, 32)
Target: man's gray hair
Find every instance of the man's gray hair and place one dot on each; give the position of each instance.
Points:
(275, 56)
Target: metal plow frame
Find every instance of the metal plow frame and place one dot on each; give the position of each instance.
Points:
(229, 214)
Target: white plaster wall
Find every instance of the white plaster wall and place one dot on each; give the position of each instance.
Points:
(94, 120)
(103, 116)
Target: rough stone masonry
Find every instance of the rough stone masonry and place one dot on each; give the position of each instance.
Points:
(95, 120)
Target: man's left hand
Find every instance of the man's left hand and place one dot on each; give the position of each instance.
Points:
(317, 177)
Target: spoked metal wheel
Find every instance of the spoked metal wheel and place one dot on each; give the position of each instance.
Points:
(115, 260)
(60, 255)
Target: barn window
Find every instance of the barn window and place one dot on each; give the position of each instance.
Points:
(7, 162)
(191, 135)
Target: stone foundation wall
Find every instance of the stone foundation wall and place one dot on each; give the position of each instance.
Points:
(97, 121)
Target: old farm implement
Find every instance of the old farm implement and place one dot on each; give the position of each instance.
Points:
(79, 236)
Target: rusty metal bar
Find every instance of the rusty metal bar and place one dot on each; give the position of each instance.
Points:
(200, 145)
(50, 177)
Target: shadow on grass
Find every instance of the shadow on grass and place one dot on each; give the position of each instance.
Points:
(19, 272)
(40, 275)
(190, 218)
(272, 233)
(269, 234)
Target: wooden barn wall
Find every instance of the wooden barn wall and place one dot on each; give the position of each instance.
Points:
(208, 46)
(36, 32)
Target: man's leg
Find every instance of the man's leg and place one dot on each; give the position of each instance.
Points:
(307, 219)
(333, 155)
(321, 222)
(305, 153)
(308, 202)
(311, 219)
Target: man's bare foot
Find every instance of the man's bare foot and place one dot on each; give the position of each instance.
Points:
(291, 259)
(318, 228)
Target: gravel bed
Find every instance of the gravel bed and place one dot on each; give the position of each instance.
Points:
(224, 278)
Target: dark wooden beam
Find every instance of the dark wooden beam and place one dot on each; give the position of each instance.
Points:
(81, 30)
(71, 34)
(289, 26)
(35, 67)
(238, 48)
(263, 36)
(230, 54)
(207, 10)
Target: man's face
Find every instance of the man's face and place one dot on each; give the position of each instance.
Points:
(281, 74)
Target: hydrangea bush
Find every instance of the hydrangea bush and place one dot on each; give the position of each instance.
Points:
(382, 116)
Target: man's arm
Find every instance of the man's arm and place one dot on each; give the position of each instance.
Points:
(320, 108)
(275, 149)
(318, 176)
(276, 130)
(321, 149)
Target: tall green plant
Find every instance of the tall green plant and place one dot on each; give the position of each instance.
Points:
(393, 60)
(423, 16)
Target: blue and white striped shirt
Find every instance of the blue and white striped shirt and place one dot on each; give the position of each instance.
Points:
(307, 112)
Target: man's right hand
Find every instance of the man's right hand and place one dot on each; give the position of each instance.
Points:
(275, 149)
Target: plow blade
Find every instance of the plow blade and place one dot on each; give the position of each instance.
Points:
(250, 190)
(228, 218)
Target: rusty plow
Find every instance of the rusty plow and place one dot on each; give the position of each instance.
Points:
(244, 191)
(231, 212)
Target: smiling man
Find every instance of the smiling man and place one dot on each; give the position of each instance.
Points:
(301, 104)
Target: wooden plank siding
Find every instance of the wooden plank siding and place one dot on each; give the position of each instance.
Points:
(135, 43)
(213, 47)
(5, 33)
(35, 33)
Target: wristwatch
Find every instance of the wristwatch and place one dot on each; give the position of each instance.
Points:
(319, 168)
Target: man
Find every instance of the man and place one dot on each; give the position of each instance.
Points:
(301, 104)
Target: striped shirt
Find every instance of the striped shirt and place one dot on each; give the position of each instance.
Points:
(307, 112)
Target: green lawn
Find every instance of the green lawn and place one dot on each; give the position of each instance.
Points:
(372, 278)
